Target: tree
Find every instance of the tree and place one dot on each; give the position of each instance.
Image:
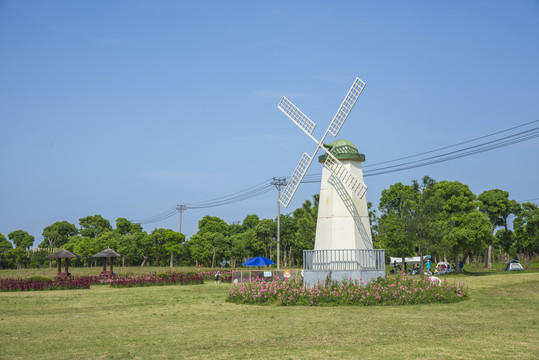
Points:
(70, 246)
(92, 226)
(458, 205)
(5, 245)
(305, 219)
(250, 221)
(440, 216)
(471, 234)
(200, 249)
(158, 237)
(144, 244)
(212, 231)
(126, 241)
(505, 240)
(126, 227)
(373, 220)
(58, 234)
(397, 205)
(526, 229)
(129, 250)
(425, 211)
(265, 232)
(17, 255)
(457, 197)
(394, 237)
(288, 238)
(173, 244)
(496, 205)
(107, 239)
(238, 248)
(21, 239)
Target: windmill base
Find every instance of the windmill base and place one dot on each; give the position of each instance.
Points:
(342, 265)
(314, 277)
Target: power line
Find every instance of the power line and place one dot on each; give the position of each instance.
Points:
(468, 151)
(472, 150)
(454, 145)
(245, 194)
(263, 187)
(232, 199)
(225, 199)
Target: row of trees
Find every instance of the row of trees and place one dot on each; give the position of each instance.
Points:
(216, 242)
(444, 219)
(448, 220)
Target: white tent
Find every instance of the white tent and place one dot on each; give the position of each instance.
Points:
(416, 260)
(514, 266)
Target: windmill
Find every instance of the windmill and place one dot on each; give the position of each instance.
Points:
(343, 245)
(351, 181)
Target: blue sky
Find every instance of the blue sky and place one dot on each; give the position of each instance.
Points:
(127, 108)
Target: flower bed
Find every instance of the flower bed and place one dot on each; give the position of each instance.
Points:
(398, 290)
(37, 283)
(154, 280)
(43, 283)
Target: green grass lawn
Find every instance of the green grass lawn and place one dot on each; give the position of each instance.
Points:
(500, 321)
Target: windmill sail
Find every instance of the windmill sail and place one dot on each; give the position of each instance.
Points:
(308, 126)
(295, 179)
(295, 114)
(344, 175)
(346, 106)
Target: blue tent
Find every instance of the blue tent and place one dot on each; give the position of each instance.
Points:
(258, 261)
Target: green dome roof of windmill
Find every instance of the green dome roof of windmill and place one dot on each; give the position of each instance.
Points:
(343, 150)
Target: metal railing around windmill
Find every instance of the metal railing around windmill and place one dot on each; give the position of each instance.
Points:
(344, 259)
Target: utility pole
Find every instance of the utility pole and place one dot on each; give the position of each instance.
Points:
(181, 209)
(278, 182)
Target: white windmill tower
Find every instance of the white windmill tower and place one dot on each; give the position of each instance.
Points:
(343, 245)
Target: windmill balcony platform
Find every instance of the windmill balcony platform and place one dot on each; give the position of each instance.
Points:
(363, 265)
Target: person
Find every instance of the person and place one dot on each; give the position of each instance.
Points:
(217, 278)
(461, 265)
(395, 266)
(428, 267)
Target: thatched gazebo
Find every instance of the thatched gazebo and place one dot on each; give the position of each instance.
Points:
(59, 255)
(106, 254)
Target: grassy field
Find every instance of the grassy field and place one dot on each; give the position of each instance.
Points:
(500, 321)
